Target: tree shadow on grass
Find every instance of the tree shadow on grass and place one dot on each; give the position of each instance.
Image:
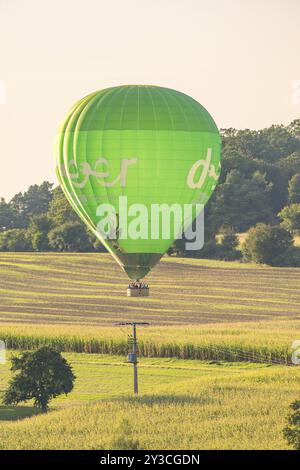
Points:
(13, 413)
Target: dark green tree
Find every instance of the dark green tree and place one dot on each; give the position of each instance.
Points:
(15, 239)
(240, 202)
(290, 218)
(60, 210)
(41, 375)
(294, 189)
(278, 141)
(32, 202)
(267, 244)
(70, 237)
(7, 215)
(274, 174)
(294, 128)
(38, 230)
(292, 431)
(289, 165)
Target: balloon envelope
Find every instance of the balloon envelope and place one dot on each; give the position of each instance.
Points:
(146, 144)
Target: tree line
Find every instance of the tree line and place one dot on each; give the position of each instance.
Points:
(258, 193)
(41, 219)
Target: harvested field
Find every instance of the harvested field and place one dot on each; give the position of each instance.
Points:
(90, 289)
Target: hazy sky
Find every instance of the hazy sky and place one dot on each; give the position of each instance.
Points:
(239, 58)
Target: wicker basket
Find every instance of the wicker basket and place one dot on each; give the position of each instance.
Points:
(135, 292)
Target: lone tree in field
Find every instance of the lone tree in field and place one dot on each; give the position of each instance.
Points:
(292, 430)
(42, 375)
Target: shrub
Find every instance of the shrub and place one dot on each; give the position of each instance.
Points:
(227, 249)
(290, 216)
(267, 244)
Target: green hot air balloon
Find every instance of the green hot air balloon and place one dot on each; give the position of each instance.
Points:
(137, 146)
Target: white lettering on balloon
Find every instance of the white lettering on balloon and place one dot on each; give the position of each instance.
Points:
(207, 170)
(86, 170)
(79, 175)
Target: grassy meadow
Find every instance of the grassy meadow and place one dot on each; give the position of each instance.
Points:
(213, 369)
(182, 405)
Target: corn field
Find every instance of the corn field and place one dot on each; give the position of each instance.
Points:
(211, 343)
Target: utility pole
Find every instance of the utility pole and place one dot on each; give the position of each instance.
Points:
(132, 353)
